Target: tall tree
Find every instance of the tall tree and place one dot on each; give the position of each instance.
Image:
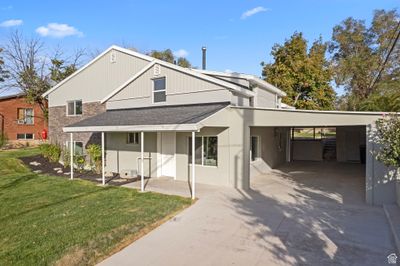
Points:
(303, 73)
(168, 56)
(29, 69)
(358, 53)
(3, 72)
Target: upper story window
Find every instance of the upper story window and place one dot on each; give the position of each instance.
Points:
(25, 116)
(159, 90)
(74, 108)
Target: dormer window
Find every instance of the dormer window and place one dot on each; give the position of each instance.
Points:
(159, 90)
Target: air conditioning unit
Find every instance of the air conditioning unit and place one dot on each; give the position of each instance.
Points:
(128, 173)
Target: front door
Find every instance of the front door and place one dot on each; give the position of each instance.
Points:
(168, 146)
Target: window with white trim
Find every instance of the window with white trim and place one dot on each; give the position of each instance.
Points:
(74, 107)
(77, 148)
(24, 136)
(133, 138)
(206, 150)
(25, 116)
(159, 90)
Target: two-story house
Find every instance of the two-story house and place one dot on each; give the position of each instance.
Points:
(21, 121)
(158, 119)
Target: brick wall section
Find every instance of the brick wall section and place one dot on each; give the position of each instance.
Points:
(9, 116)
(58, 119)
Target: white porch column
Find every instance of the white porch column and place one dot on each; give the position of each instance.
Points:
(71, 150)
(102, 160)
(193, 165)
(141, 161)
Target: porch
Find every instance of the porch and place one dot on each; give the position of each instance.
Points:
(169, 186)
(142, 142)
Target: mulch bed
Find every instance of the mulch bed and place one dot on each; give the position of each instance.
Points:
(43, 166)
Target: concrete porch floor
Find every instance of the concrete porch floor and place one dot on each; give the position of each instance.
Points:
(169, 186)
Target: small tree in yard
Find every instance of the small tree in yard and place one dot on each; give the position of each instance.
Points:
(388, 137)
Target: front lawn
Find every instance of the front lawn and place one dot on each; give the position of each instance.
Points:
(52, 220)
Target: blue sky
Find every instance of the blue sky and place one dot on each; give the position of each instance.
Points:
(236, 40)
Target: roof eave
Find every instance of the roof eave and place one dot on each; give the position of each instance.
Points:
(135, 128)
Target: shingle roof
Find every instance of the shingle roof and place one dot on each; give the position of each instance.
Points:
(6, 97)
(160, 115)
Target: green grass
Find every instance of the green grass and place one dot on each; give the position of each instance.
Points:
(51, 220)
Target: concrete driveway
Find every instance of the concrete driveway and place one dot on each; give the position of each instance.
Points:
(301, 214)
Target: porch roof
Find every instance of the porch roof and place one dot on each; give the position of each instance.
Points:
(158, 118)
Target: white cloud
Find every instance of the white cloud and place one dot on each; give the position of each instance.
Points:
(57, 30)
(181, 53)
(253, 11)
(228, 71)
(9, 7)
(11, 23)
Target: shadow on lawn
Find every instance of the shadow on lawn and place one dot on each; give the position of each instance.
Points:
(17, 181)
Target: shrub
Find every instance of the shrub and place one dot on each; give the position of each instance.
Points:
(66, 157)
(79, 161)
(388, 137)
(94, 151)
(44, 150)
(52, 152)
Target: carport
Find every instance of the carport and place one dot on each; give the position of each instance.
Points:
(325, 161)
(342, 163)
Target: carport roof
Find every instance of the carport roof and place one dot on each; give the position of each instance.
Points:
(171, 118)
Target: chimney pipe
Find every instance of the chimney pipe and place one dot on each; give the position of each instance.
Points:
(204, 50)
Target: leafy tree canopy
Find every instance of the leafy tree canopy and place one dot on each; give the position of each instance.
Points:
(303, 73)
(358, 53)
(168, 56)
(387, 135)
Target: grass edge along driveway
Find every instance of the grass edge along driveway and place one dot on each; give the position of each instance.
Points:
(51, 220)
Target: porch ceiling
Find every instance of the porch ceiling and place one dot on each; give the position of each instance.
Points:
(159, 118)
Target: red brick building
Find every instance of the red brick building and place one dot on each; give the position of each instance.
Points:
(21, 121)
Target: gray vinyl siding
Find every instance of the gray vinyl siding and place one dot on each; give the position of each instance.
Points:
(181, 88)
(272, 148)
(214, 175)
(239, 100)
(240, 81)
(174, 99)
(264, 98)
(98, 80)
(121, 156)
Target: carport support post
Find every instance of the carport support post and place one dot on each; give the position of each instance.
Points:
(141, 161)
(71, 150)
(103, 178)
(193, 166)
